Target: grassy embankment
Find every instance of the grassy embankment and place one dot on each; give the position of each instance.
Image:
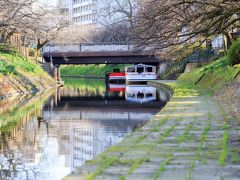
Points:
(214, 76)
(20, 76)
(89, 70)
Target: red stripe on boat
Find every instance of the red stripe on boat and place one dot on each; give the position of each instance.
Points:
(117, 74)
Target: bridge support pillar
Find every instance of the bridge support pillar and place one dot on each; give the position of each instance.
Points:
(161, 68)
(57, 74)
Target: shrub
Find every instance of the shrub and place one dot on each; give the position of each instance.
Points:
(234, 53)
(6, 48)
(5, 68)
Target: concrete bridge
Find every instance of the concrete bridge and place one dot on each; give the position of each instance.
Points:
(98, 53)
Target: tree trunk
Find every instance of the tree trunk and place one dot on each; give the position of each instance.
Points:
(228, 40)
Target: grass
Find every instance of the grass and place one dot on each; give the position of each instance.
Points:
(200, 146)
(168, 131)
(213, 76)
(17, 64)
(18, 73)
(106, 162)
(137, 163)
(163, 167)
(225, 150)
(122, 178)
(185, 135)
(235, 156)
(89, 70)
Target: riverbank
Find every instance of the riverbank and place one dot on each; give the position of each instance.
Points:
(19, 76)
(191, 135)
(221, 80)
(22, 108)
(98, 71)
(195, 132)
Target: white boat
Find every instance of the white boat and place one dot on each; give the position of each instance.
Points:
(140, 72)
(140, 93)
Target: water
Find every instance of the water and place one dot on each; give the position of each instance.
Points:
(48, 137)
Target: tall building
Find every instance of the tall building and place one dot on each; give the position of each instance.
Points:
(63, 5)
(81, 12)
(84, 12)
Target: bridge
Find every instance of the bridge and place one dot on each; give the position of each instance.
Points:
(97, 53)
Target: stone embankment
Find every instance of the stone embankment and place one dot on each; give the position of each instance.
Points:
(19, 85)
(192, 137)
(20, 76)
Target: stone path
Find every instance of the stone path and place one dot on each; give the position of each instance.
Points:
(191, 138)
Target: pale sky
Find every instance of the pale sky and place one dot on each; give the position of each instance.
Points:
(48, 2)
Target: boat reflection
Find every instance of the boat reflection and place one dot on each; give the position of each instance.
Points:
(140, 93)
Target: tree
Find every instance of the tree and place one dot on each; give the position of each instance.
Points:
(76, 34)
(119, 32)
(30, 18)
(119, 11)
(164, 24)
(117, 20)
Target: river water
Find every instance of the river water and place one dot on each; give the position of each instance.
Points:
(50, 135)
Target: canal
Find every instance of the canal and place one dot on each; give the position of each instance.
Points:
(50, 135)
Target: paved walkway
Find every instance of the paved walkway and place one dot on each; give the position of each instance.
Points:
(191, 138)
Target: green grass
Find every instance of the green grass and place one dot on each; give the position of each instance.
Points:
(162, 168)
(89, 70)
(225, 150)
(122, 178)
(200, 146)
(16, 64)
(136, 164)
(213, 76)
(185, 135)
(104, 163)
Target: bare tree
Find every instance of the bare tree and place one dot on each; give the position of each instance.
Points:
(31, 19)
(117, 20)
(119, 11)
(168, 23)
(76, 34)
(119, 32)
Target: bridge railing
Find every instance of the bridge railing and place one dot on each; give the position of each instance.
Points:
(89, 47)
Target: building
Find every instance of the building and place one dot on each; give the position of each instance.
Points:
(93, 12)
(81, 12)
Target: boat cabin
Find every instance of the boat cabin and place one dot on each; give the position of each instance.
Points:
(140, 72)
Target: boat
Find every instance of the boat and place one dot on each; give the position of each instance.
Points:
(116, 75)
(140, 73)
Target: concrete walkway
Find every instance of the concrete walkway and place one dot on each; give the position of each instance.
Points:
(191, 138)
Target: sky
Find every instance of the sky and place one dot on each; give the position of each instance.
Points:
(48, 2)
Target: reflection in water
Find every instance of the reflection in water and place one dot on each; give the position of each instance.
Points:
(75, 124)
(141, 93)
